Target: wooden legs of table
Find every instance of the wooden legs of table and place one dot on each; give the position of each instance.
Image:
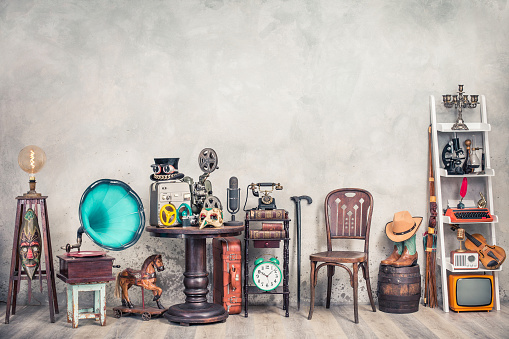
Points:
(246, 274)
(98, 312)
(196, 309)
(16, 270)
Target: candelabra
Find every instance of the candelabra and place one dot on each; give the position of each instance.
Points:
(460, 101)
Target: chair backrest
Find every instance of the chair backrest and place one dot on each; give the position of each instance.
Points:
(348, 215)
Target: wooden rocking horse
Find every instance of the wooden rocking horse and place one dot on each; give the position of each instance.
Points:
(145, 278)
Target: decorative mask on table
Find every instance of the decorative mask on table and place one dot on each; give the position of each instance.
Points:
(211, 217)
(30, 243)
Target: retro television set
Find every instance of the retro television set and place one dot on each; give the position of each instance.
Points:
(471, 292)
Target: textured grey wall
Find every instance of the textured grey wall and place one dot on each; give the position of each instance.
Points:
(316, 95)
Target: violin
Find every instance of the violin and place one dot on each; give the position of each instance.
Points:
(491, 256)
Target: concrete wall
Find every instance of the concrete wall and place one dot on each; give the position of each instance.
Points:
(316, 95)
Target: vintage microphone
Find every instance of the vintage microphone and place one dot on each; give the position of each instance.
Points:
(233, 196)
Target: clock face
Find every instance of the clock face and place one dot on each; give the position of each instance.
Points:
(267, 276)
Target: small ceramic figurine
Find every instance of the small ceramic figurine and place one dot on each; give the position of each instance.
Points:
(402, 230)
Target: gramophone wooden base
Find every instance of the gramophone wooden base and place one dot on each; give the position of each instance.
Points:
(85, 270)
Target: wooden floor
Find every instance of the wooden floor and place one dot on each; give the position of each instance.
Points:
(268, 322)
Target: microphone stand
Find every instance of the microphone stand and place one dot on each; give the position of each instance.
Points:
(232, 222)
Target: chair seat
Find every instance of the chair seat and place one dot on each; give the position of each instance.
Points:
(339, 256)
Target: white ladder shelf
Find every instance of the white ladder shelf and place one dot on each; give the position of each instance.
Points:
(443, 192)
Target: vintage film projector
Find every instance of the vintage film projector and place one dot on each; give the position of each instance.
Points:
(179, 202)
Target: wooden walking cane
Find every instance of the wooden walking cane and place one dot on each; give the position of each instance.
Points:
(430, 292)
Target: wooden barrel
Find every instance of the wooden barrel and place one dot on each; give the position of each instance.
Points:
(399, 289)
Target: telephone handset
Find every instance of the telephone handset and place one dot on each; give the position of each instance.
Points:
(266, 201)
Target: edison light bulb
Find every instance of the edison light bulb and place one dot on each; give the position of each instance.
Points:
(31, 159)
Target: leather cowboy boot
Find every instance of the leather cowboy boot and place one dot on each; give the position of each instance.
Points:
(406, 259)
(392, 258)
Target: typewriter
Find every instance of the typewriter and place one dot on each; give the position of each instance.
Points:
(466, 215)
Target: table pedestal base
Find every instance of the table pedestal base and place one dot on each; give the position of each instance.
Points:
(185, 314)
(196, 309)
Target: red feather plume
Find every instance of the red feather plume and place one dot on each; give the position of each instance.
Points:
(463, 189)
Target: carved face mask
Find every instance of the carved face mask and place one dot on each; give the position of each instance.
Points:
(30, 243)
(211, 216)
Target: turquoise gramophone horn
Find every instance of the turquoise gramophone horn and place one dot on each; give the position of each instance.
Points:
(112, 214)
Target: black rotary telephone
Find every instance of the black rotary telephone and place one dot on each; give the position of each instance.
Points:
(266, 201)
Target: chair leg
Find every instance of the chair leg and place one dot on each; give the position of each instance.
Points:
(330, 274)
(355, 292)
(312, 284)
(365, 268)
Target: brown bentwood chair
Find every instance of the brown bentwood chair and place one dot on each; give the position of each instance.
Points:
(347, 216)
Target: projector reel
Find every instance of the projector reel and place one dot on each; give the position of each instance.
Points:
(207, 160)
(183, 210)
(168, 215)
(212, 202)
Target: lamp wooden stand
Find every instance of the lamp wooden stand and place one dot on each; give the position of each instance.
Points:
(38, 204)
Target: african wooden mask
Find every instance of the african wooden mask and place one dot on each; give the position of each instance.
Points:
(30, 243)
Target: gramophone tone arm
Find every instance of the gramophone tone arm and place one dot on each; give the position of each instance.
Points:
(79, 239)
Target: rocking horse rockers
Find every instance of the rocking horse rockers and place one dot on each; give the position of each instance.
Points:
(146, 279)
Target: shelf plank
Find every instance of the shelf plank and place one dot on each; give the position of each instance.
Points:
(472, 127)
(448, 267)
(488, 172)
(256, 290)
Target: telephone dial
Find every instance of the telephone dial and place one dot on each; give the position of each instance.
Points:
(266, 201)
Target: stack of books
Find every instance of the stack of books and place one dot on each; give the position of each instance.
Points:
(268, 231)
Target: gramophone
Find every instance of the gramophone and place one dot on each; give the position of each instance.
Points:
(112, 215)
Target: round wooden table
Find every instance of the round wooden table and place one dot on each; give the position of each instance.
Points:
(196, 309)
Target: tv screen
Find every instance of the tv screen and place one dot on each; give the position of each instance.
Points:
(473, 292)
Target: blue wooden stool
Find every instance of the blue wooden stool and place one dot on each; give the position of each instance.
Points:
(98, 312)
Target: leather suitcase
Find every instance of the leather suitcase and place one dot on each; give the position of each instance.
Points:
(227, 273)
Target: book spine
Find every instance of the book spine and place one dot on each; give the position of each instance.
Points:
(253, 234)
(268, 214)
(272, 226)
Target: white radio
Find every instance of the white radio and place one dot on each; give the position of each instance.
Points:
(467, 260)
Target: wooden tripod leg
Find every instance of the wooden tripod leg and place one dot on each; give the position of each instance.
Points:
(50, 270)
(48, 261)
(14, 260)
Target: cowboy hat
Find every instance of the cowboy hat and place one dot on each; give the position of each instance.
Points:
(402, 227)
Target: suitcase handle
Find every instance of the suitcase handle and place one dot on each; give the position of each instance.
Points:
(234, 278)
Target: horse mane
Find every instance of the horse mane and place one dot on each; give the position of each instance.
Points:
(148, 261)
